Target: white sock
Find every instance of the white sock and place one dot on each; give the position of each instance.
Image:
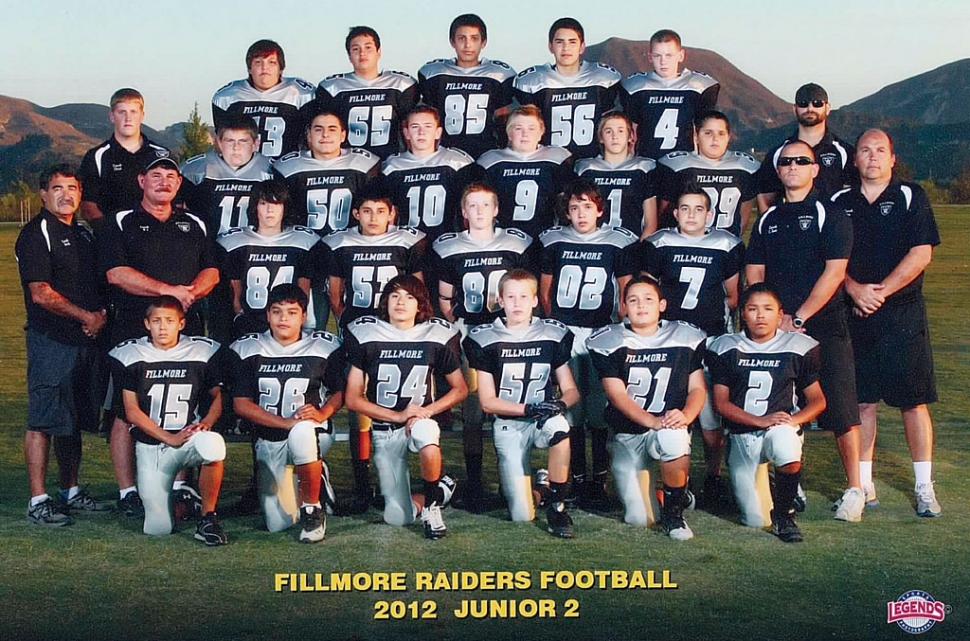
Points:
(923, 470)
(177, 485)
(37, 500)
(306, 505)
(127, 490)
(865, 473)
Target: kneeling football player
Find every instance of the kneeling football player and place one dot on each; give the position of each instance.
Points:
(518, 363)
(164, 381)
(653, 374)
(280, 379)
(394, 358)
(756, 375)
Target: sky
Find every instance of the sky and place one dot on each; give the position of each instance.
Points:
(180, 52)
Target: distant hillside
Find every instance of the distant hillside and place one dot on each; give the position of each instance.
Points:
(20, 119)
(93, 120)
(937, 97)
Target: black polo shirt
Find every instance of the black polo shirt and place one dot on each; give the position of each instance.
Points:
(173, 252)
(109, 174)
(836, 169)
(793, 241)
(48, 251)
(885, 230)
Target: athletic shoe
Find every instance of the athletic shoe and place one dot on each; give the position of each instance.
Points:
(188, 504)
(926, 503)
(248, 503)
(47, 513)
(560, 524)
(870, 492)
(447, 485)
(314, 523)
(434, 525)
(801, 499)
(595, 496)
(209, 530)
(784, 527)
(84, 502)
(131, 506)
(676, 528)
(851, 505)
(327, 496)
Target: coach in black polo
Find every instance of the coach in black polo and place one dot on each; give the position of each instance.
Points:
(801, 249)
(64, 316)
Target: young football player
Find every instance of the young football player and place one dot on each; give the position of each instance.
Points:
(726, 176)
(371, 102)
(583, 266)
(699, 273)
(757, 374)
(470, 265)
(527, 176)
(626, 181)
(653, 375)
(393, 360)
(472, 93)
(571, 94)
(280, 380)
(275, 103)
(165, 380)
(662, 103)
(519, 362)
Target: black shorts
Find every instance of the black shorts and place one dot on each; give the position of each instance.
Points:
(837, 376)
(893, 357)
(62, 386)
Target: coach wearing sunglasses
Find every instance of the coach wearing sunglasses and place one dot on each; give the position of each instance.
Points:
(800, 248)
(835, 168)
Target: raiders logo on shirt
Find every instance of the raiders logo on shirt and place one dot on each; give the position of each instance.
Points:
(885, 208)
(804, 222)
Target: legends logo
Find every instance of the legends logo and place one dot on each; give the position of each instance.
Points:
(916, 611)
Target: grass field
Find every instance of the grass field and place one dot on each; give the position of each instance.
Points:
(102, 579)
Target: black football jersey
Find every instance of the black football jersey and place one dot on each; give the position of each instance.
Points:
(527, 185)
(400, 365)
(367, 263)
(570, 105)
(109, 174)
(624, 187)
(283, 378)
(729, 182)
(219, 193)
(322, 191)
(169, 383)
(763, 378)
(467, 99)
(692, 271)
(521, 362)
(584, 269)
(656, 369)
(278, 111)
(474, 269)
(372, 109)
(664, 110)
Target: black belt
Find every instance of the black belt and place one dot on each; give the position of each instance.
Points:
(386, 427)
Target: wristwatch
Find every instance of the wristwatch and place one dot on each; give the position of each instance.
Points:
(797, 322)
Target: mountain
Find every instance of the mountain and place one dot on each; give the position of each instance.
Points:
(93, 120)
(20, 119)
(750, 105)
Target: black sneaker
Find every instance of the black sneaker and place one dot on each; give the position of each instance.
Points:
(784, 527)
(131, 506)
(187, 503)
(313, 520)
(248, 503)
(560, 524)
(595, 496)
(676, 527)
(328, 498)
(800, 502)
(84, 502)
(434, 525)
(209, 530)
(47, 513)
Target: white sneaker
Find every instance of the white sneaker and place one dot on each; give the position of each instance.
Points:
(434, 525)
(314, 523)
(851, 504)
(870, 492)
(926, 503)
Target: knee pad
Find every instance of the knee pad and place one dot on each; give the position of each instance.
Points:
(783, 444)
(424, 432)
(302, 443)
(210, 446)
(553, 430)
(673, 444)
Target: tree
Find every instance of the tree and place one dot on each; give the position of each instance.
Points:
(195, 136)
(960, 187)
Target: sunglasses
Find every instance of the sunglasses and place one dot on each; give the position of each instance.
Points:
(803, 104)
(801, 161)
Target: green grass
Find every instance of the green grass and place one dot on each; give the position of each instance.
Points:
(102, 579)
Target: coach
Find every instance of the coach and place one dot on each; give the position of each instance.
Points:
(64, 316)
(894, 233)
(800, 248)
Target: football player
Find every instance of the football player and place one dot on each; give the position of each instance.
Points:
(583, 266)
(280, 380)
(276, 104)
(726, 176)
(473, 93)
(527, 176)
(571, 94)
(166, 377)
(698, 273)
(652, 372)
(369, 100)
(626, 181)
(757, 374)
(663, 102)
(393, 360)
(519, 362)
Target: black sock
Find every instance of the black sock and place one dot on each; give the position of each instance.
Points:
(674, 498)
(433, 493)
(557, 493)
(786, 486)
(577, 444)
(473, 471)
(601, 456)
(361, 477)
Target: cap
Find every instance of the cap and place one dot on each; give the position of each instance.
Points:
(810, 92)
(161, 161)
